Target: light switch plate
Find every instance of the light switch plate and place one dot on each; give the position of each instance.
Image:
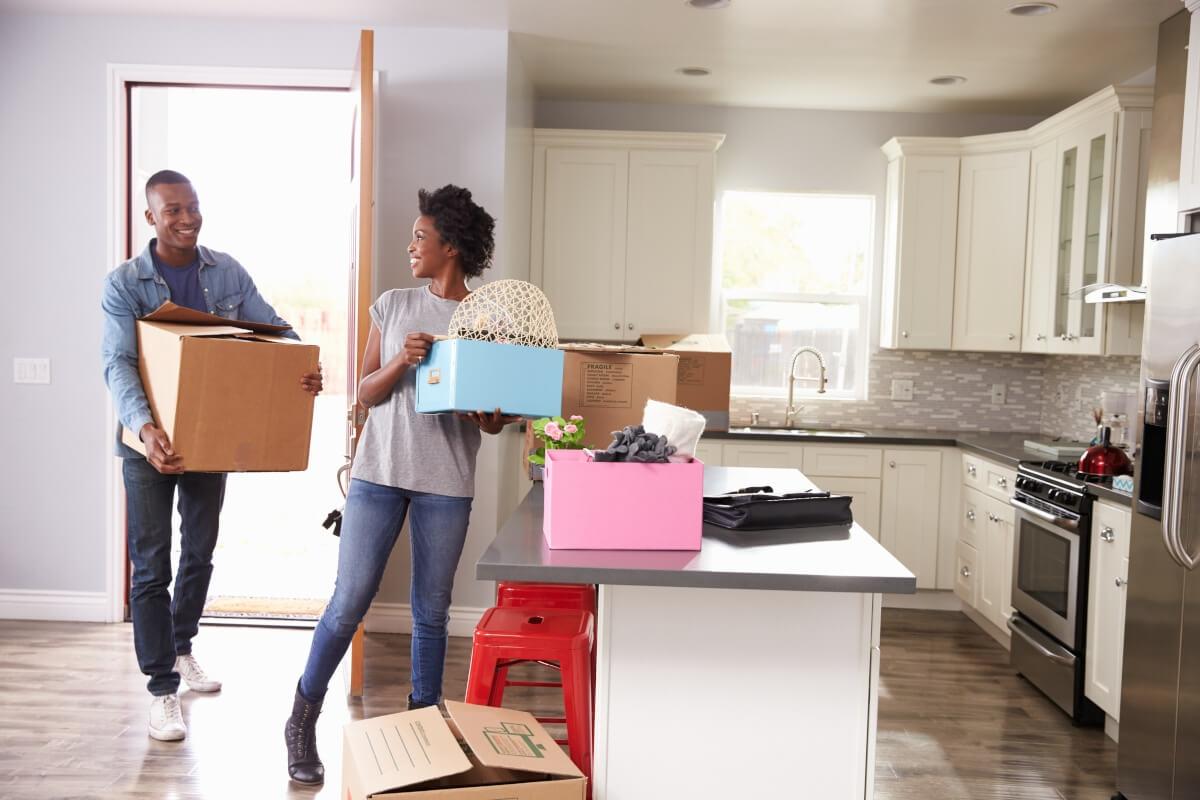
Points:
(31, 370)
(999, 394)
(902, 390)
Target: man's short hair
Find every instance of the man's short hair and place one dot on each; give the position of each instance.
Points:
(164, 176)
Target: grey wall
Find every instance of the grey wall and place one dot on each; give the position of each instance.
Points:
(442, 119)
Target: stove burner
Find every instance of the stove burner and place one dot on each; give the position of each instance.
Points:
(1070, 469)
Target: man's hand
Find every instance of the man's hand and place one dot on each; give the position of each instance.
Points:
(159, 452)
(416, 347)
(313, 382)
(489, 423)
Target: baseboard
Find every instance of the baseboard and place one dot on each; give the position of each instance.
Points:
(53, 606)
(397, 618)
(925, 599)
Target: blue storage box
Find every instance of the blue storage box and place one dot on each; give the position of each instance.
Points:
(471, 375)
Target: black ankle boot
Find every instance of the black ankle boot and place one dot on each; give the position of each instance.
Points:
(300, 733)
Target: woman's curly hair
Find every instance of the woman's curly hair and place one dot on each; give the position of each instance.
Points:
(462, 223)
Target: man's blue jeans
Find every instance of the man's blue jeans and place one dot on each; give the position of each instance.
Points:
(370, 526)
(163, 626)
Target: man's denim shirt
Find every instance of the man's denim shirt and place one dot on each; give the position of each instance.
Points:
(133, 290)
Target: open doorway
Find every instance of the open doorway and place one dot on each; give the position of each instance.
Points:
(271, 168)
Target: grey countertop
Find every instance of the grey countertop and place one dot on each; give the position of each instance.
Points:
(1004, 448)
(827, 559)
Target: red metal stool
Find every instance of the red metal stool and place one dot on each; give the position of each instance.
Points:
(505, 636)
(518, 594)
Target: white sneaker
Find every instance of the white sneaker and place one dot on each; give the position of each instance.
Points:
(166, 720)
(193, 675)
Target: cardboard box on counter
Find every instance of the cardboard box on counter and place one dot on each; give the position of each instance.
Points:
(608, 385)
(704, 373)
(226, 392)
(471, 375)
(619, 505)
(419, 754)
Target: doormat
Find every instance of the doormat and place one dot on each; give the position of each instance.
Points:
(271, 607)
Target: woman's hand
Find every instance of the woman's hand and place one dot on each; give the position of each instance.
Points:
(489, 423)
(416, 347)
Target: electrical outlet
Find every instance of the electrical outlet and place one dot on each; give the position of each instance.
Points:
(902, 390)
(999, 394)
(31, 370)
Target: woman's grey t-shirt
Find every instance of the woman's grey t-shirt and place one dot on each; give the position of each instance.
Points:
(432, 453)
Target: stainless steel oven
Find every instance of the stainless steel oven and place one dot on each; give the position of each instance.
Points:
(1049, 584)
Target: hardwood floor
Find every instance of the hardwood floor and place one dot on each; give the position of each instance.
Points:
(954, 722)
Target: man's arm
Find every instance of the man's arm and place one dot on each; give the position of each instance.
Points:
(120, 353)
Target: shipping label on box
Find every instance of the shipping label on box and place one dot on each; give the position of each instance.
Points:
(609, 385)
(226, 392)
(704, 373)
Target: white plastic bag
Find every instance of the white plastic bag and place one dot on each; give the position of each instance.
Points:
(682, 426)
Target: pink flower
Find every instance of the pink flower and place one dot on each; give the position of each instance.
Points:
(553, 431)
(576, 418)
(569, 428)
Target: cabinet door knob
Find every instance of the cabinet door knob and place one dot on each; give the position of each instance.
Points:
(892, 464)
(1107, 534)
(630, 326)
(616, 326)
(1012, 336)
(971, 470)
(965, 571)
(992, 517)
(1120, 582)
(903, 334)
(971, 515)
(1003, 483)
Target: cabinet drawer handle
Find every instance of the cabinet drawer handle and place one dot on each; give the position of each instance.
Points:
(966, 572)
(1107, 534)
(971, 515)
(1002, 483)
(971, 470)
(1012, 336)
(903, 334)
(1041, 337)
(616, 326)
(992, 517)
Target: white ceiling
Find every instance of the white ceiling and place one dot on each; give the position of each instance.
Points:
(831, 54)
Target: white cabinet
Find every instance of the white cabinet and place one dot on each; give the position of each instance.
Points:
(1109, 570)
(966, 574)
(918, 265)
(910, 509)
(996, 563)
(762, 454)
(864, 498)
(985, 540)
(1086, 224)
(1189, 156)
(621, 236)
(989, 270)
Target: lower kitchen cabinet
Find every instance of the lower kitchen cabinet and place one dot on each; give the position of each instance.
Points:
(865, 498)
(996, 563)
(985, 540)
(1109, 569)
(711, 453)
(909, 511)
(966, 580)
(762, 454)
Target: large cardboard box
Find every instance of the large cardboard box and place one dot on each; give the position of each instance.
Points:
(608, 385)
(227, 392)
(704, 373)
(470, 375)
(482, 753)
(590, 505)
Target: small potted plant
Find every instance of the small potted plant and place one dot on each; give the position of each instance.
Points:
(554, 433)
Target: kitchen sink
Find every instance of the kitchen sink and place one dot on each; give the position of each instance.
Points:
(808, 431)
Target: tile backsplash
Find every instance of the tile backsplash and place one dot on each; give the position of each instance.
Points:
(953, 391)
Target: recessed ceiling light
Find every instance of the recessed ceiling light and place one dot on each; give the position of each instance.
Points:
(1032, 9)
(708, 5)
(947, 80)
(694, 72)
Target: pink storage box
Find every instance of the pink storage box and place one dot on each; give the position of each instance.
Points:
(621, 506)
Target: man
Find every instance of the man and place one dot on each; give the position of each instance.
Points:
(172, 267)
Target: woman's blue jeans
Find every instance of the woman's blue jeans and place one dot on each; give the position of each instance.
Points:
(370, 526)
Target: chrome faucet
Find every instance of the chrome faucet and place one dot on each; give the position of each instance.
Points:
(821, 381)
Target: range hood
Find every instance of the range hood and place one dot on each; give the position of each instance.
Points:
(1113, 293)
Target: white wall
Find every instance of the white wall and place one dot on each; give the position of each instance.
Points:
(442, 119)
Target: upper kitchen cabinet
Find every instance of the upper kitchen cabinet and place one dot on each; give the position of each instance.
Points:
(919, 236)
(989, 271)
(622, 231)
(1189, 154)
(1086, 211)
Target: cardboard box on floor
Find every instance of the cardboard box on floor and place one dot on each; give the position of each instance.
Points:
(227, 392)
(482, 753)
(704, 373)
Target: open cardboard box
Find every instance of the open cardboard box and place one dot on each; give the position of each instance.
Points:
(481, 753)
(227, 392)
(704, 373)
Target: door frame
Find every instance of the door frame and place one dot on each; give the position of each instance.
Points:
(117, 223)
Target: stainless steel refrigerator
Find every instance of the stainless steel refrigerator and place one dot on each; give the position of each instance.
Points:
(1158, 757)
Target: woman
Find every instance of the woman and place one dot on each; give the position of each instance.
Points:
(405, 462)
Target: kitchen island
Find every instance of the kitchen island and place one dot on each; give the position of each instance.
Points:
(748, 668)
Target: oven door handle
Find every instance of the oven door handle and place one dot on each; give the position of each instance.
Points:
(1062, 522)
(1018, 626)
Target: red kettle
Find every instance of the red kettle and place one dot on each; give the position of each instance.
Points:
(1104, 458)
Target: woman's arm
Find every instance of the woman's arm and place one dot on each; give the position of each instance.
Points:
(379, 381)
